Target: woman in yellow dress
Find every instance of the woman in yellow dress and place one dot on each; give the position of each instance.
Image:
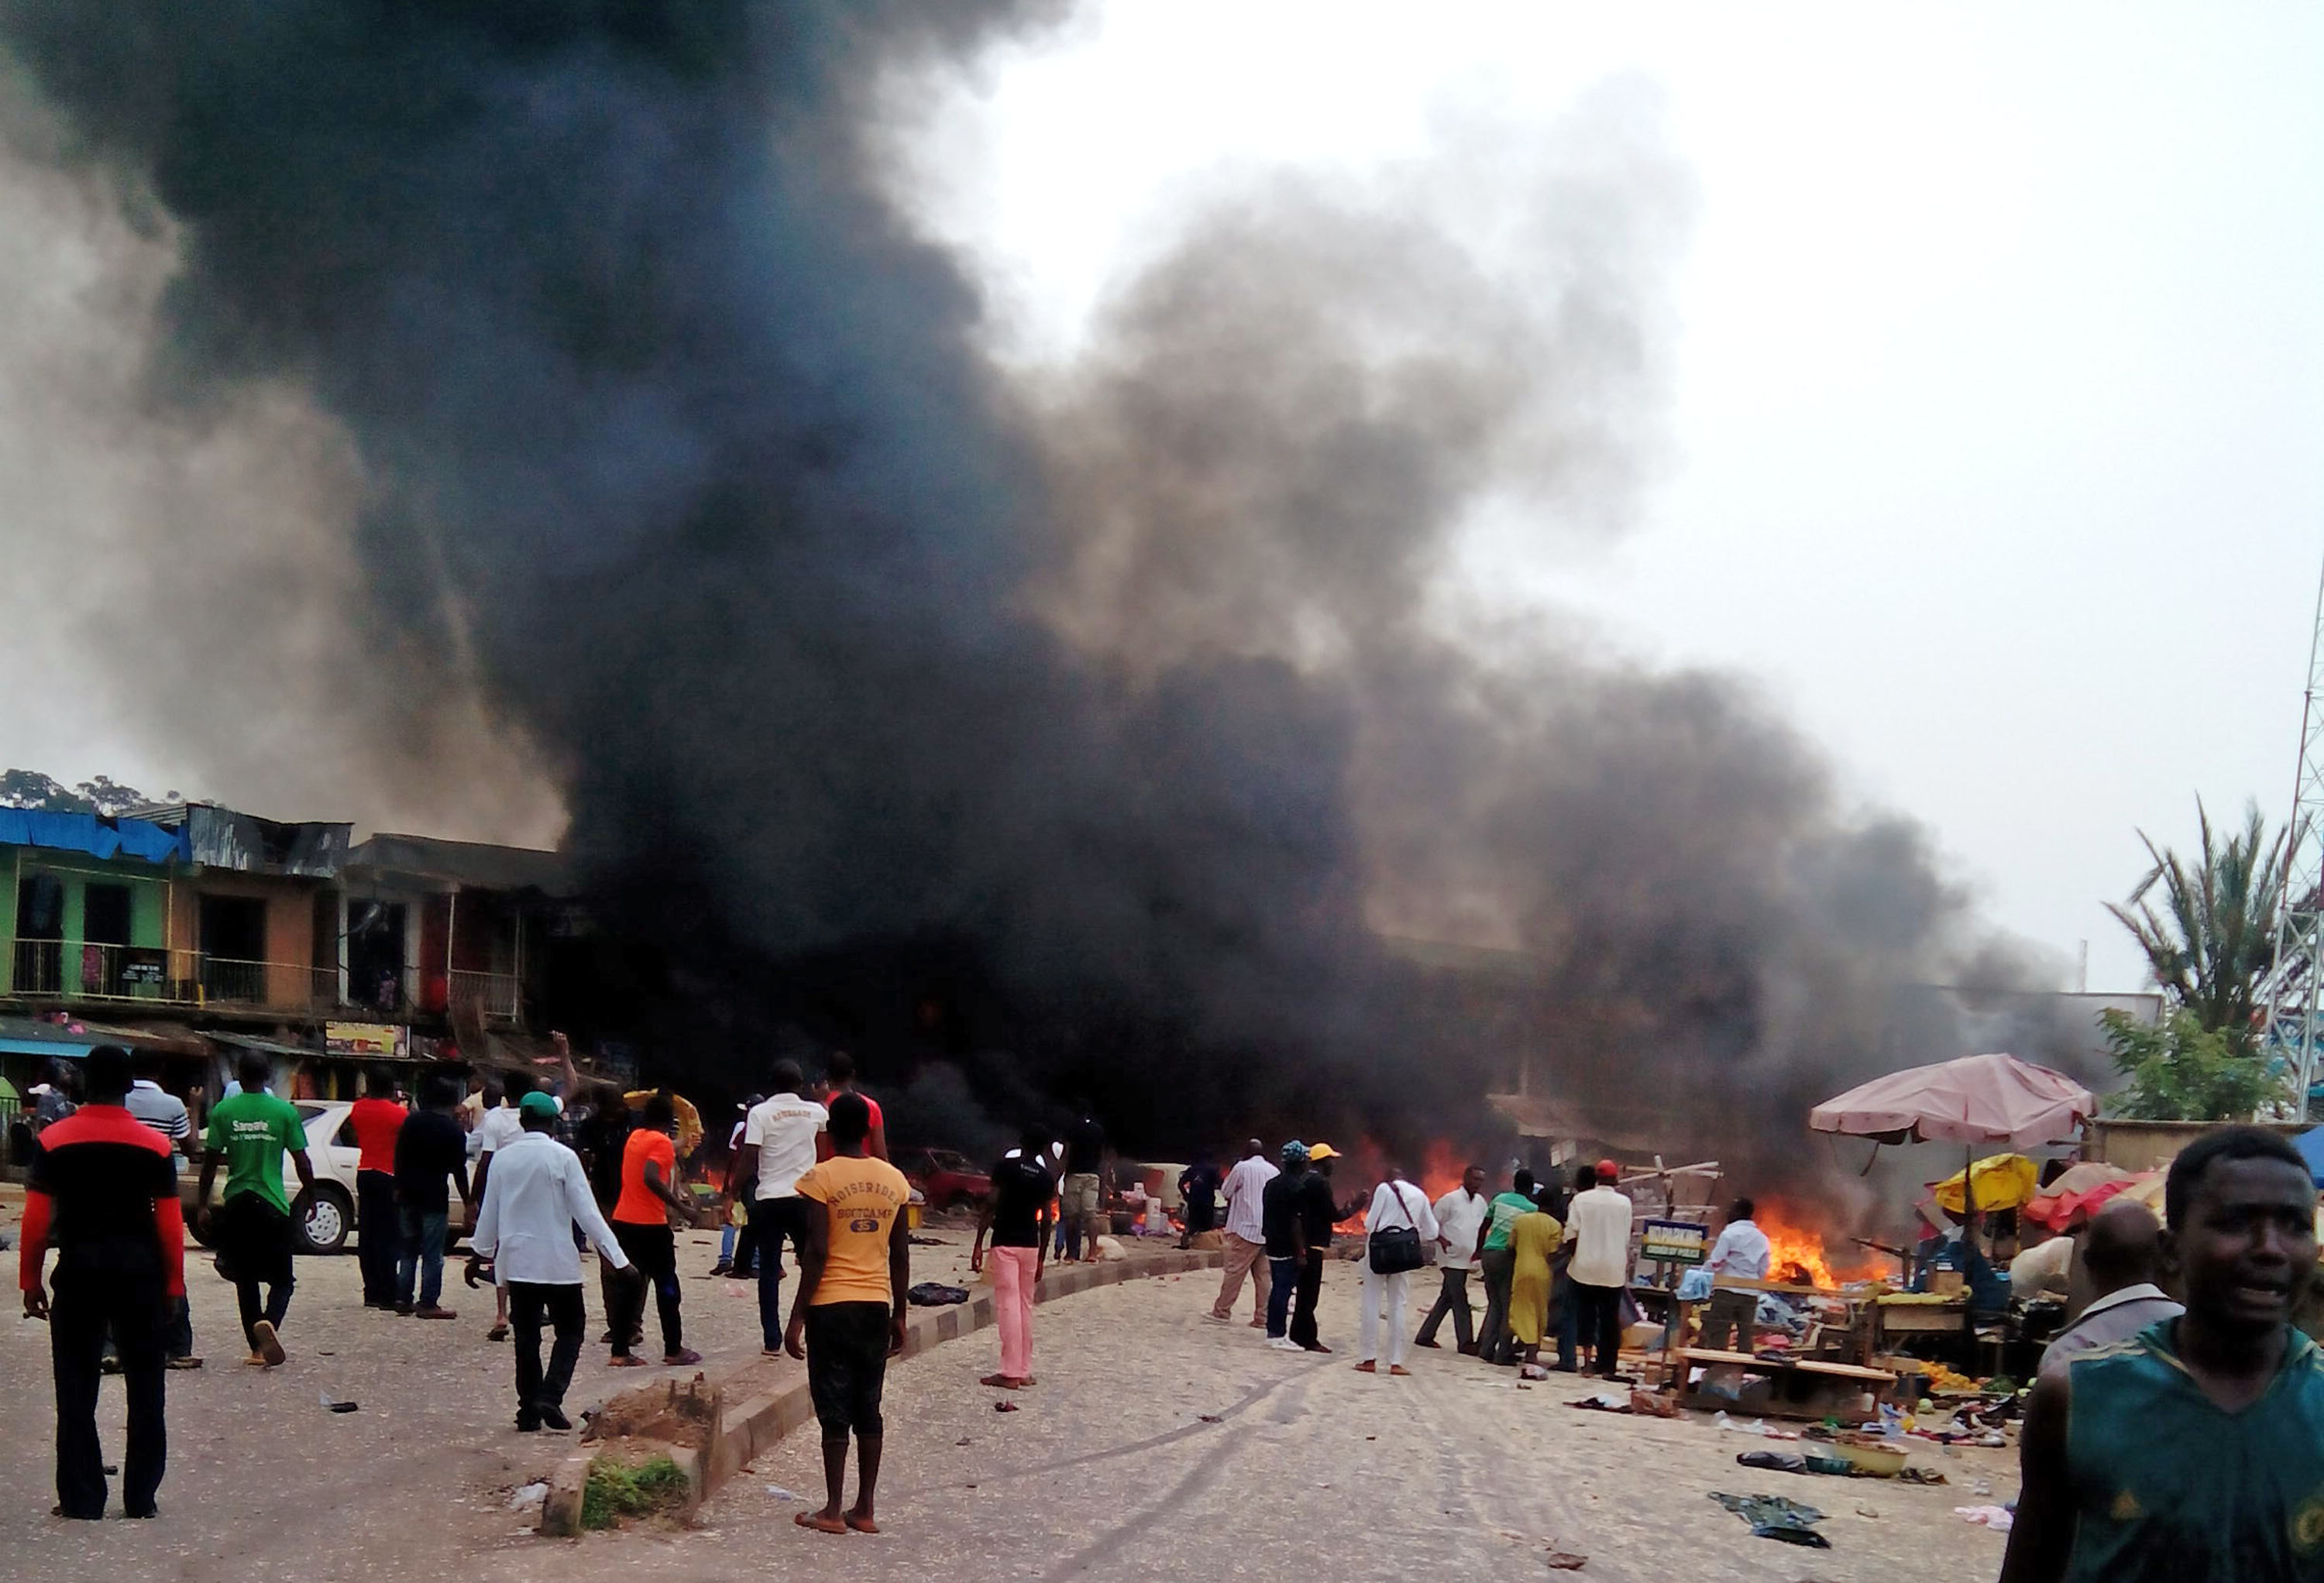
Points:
(1535, 1238)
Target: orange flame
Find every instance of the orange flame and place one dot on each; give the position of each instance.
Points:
(1793, 1241)
(1441, 1169)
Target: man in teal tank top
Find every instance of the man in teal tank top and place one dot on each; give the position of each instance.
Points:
(2194, 1451)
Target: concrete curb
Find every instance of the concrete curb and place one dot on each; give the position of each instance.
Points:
(749, 1426)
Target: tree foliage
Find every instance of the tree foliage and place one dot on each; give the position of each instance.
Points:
(2180, 1071)
(2213, 935)
(29, 789)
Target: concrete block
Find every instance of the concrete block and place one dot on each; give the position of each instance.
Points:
(561, 1513)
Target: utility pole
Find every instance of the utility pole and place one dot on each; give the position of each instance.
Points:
(2297, 972)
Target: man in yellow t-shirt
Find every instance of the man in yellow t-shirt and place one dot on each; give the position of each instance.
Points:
(847, 1317)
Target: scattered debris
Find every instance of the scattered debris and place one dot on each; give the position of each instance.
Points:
(1004, 1407)
(1653, 1405)
(1565, 1560)
(1603, 1402)
(962, 1441)
(527, 1496)
(1214, 1418)
(1999, 1518)
(1773, 1461)
(936, 1295)
(1920, 1476)
(1864, 1511)
(781, 1494)
(1773, 1517)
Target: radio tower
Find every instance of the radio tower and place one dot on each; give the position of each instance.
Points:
(2297, 973)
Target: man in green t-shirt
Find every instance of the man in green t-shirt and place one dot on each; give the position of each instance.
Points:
(1498, 1259)
(252, 1131)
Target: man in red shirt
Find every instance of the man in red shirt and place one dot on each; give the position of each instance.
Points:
(640, 1222)
(103, 1194)
(375, 1120)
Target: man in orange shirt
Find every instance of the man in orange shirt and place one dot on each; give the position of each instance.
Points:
(847, 1318)
(641, 1223)
(103, 1194)
(375, 1120)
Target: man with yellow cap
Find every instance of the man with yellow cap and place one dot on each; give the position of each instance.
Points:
(1318, 1213)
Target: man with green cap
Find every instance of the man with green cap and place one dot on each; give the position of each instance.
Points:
(537, 1192)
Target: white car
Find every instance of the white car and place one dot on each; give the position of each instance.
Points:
(324, 1216)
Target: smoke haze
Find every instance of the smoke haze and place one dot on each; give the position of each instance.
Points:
(556, 397)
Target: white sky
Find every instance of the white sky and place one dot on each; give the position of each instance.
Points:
(1999, 387)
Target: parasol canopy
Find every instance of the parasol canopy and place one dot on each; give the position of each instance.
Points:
(690, 1120)
(1975, 1099)
(2076, 1194)
(2004, 1181)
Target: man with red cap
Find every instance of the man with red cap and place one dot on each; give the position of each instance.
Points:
(1599, 1223)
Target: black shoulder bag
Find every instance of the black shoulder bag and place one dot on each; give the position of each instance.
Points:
(1395, 1249)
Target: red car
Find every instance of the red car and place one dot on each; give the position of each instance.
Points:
(946, 1178)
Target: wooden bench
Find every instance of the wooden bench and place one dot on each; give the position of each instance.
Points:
(1806, 1387)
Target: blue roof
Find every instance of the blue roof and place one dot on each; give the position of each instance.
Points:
(97, 836)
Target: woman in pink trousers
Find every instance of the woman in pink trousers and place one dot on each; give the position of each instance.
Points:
(1018, 1217)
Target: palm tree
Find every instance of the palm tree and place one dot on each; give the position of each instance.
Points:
(2214, 937)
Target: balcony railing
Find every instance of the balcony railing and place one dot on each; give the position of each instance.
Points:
(496, 997)
(79, 970)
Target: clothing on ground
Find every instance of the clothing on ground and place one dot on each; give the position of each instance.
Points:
(863, 1197)
(254, 1131)
(783, 1129)
(1599, 1223)
(536, 1194)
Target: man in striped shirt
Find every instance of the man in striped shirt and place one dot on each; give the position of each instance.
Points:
(103, 1195)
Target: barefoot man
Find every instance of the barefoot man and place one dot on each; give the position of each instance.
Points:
(847, 1317)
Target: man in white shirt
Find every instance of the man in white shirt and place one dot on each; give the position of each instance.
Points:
(779, 1147)
(500, 1127)
(1599, 1223)
(2121, 1251)
(537, 1193)
(1741, 1253)
(1245, 1240)
(1395, 1204)
(1459, 1214)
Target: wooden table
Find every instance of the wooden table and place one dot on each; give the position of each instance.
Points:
(1805, 1388)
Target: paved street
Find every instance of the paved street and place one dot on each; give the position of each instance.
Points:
(1110, 1471)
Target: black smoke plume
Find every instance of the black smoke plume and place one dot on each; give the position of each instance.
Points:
(1115, 729)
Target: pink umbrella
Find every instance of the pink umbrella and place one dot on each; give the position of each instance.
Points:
(1975, 1100)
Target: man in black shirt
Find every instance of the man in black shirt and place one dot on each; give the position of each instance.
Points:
(1318, 1213)
(1085, 1157)
(430, 1149)
(1018, 1216)
(1198, 1190)
(1278, 1209)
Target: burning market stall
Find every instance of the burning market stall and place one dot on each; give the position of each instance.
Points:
(1993, 1100)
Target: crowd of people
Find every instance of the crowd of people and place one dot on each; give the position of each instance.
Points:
(539, 1174)
(2178, 1438)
